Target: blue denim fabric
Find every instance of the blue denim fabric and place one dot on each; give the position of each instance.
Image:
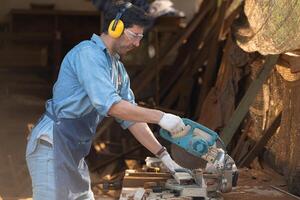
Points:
(89, 78)
(41, 168)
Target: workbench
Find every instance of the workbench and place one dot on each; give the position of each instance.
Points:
(252, 185)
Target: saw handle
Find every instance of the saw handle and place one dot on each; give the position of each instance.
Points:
(196, 140)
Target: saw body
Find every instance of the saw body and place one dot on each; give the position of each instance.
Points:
(201, 142)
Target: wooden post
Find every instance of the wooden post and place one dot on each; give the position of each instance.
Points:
(143, 79)
(247, 100)
(246, 161)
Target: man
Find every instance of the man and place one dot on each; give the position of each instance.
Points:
(92, 84)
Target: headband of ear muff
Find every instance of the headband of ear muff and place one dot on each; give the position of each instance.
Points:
(116, 26)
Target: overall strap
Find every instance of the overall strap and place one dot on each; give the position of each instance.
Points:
(52, 116)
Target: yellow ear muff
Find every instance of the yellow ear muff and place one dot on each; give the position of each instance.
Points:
(117, 32)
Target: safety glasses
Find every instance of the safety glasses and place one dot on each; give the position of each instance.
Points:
(133, 36)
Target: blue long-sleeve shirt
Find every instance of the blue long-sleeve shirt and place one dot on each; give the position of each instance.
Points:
(89, 78)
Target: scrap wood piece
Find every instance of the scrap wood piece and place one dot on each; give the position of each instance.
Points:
(238, 148)
(231, 14)
(211, 69)
(285, 192)
(291, 60)
(247, 100)
(248, 144)
(189, 69)
(209, 34)
(188, 53)
(183, 80)
(181, 89)
(219, 102)
(246, 161)
(144, 179)
(146, 76)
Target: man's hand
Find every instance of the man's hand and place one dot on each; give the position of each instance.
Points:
(171, 123)
(170, 164)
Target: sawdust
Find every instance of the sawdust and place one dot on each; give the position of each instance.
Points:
(259, 190)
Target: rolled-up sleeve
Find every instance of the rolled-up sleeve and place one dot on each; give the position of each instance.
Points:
(126, 94)
(94, 75)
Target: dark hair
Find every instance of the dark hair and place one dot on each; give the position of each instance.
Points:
(132, 16)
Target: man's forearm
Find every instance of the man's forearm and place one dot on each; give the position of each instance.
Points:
(127, 111)
(144, 135)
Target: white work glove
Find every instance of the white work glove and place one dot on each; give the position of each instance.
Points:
(171, 123)
(169, 163)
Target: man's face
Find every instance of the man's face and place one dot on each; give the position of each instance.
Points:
(129, 40)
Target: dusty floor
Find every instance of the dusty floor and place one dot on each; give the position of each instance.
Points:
(22, 97)
(259, 184)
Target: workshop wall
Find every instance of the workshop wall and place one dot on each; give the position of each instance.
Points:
(6, 5)
(3, 9)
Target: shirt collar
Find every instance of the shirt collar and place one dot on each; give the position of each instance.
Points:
(97, 39)
(99, 42)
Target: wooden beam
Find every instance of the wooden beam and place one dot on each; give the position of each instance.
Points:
(211, 69)
(258, 147)
(247, 100)
(210, 33)
(147, 75)
(188, 52)
(173, 94)
(238, 147)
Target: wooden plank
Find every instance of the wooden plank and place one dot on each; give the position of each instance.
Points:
(247, 100)
(238, 148)
(181, 89)
(212, 67)
(188, 53)
(147, 75)
(141, 179)
(258, 147)
(147, 174)
(285, 192)
(177, 88)
(230, 17)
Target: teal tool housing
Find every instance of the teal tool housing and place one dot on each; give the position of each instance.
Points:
(193, 143)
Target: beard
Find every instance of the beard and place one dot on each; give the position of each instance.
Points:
(125, 49)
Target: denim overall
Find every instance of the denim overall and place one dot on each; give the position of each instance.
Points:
(72, 139)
